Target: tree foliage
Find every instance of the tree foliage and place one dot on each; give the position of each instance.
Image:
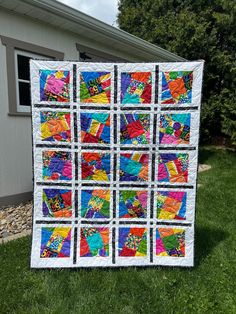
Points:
(202, 29)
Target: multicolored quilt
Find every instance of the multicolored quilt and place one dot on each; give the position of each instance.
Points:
(115, 162)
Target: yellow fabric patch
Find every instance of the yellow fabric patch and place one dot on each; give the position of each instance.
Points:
(94, 127)
(100, 175)
(59, 75)
(166, 215)
(161, 198)
(53, 127)
(136, 157)
(163, 254)
(139, 254)
(105, 77)
(98, 99)
(178, 230)
(171, 168)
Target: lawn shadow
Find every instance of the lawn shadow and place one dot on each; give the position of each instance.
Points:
(205, 155)
(206, 239)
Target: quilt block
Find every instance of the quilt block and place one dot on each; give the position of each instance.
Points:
(115, 149)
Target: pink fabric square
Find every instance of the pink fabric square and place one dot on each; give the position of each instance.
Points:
(177, 195)
(162, 174)
(159, 246)
(67, 170)
(54, 85)
(142, 197)
(169, 139)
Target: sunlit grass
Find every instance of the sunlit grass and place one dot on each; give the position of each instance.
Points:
(209, 287)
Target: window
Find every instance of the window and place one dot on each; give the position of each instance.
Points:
(22, 72)
(18, 54)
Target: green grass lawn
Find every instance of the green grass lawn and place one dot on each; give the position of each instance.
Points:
(209, 287)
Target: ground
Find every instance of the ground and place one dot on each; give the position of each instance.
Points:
(209, 287)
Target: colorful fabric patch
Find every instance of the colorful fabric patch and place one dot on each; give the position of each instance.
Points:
(95, 166)
(95, 87)
(170, 242)
(171, 205)
(54, 85)
(57, 203)
(55, 242)
(175, 128)
(115, 163)
(133, 204)
(177, 87)
(94, 242)
(95, 127)
(57, 165)
(134, 167)
(134, 128)
(132, 242)
(55, 126)
(173, 167)
(95, 204)
(136, 87)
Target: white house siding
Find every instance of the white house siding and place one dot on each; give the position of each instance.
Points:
(15, 138)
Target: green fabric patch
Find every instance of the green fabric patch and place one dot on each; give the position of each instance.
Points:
(142, 247)
(84, 94)
(128, 195)
(170, 242)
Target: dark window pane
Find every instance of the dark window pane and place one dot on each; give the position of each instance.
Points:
(23, 67)
(24, 94)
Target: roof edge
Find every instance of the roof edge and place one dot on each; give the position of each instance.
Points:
(95, 25)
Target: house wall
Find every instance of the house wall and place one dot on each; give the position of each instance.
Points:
(15, 139)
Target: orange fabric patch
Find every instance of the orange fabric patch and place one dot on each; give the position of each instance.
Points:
(165, 232)
(105, 236)
(137, 231)
(177, 87)
(141, 76)
(91, 156)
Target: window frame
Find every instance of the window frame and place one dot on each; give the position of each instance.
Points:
(31, 55)
(13, 45)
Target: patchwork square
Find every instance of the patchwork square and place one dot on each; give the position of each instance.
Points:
(176, 87)
(54, 85)
(95, 128)
(134, 167)
(170, 242)
(95, 166)
(175, 129)
(57, 165)
(133, 204)
(55, 126)
(132, 242)
(95, 87)
(115, 150)
(55, 242)
(136, 88)
(173, 167)
(171, 205)
(94, 242)
(95, 204)
(134, 128)
(57, 203)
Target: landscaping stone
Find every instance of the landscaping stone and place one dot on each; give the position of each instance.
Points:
(203, 167)
(15, 220)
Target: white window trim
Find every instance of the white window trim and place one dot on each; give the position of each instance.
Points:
(21, 108)
(13, 44)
